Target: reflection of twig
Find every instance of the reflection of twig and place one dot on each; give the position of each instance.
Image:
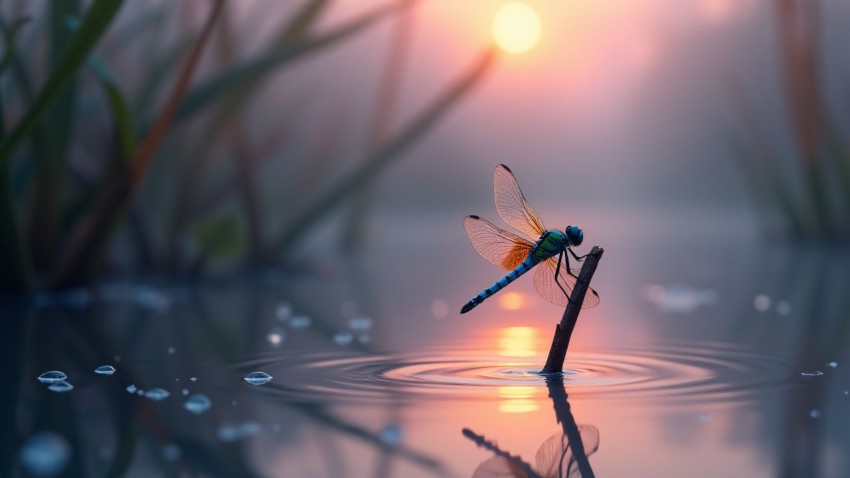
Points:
(558, 394)
(490, 446)
(564, 330)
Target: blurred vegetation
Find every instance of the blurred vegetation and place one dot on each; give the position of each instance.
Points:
(129, 142)
(808, 190)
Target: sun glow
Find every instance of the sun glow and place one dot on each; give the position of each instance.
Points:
(516, 27)
(518, 342)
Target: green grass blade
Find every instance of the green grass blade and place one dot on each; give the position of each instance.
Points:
(124, 124)
(14, 269)
(385, 155)
(97, 19)
(237, 77)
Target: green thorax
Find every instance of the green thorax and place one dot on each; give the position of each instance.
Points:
(550, 244)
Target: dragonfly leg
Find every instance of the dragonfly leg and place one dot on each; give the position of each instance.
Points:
(577, 258)
(561, 255)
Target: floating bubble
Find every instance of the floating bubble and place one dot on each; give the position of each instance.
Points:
(761, 303)
(276, 336)
(171, 350)
(360, 323)
(44, 454)
(193, 379)
(284, 311)
(678, 298)
(783, 307)
(343, 338)
(157, 394)
(832, 364)
(60, 387)
(300, 321)
(815, 413)
(105, 370)
(184, 392)
(52, 376)
(171, 452)
(231, 433)
(257, 378)
(198, 404)
(439, 309)
(131, 388)
(391, 435)
(815, 373)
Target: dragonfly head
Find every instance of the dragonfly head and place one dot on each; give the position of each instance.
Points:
(574, 235)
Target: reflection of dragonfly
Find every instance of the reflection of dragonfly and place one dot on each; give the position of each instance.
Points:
(511, 252)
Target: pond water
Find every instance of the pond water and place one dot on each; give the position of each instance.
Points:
(711, 354)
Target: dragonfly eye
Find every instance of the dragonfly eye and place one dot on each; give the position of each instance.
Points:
(575, 235)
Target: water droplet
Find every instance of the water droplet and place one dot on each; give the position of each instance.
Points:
(815, 413)
(847, 393)
(816, 373)
(131, 388)
(171, 350)
(783, 307)
(198, 404)
(391, 435)
(52, 376)
(343, 338)
(275, 336)
(439, 309)
(157, 394)
(231, 433)
(105, 370)
(360, 323)
(832, 364)
(184, 392)
(761, 302)
(60, 387)
(44, 454)
(194, 379)
(171, 452)
(257, 378)
(300, 322)
(284, 311)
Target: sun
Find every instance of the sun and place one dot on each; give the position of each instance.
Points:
(516, 27)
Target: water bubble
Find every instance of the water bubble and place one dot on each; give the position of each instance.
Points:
(815, 373)
(171, 350)
(257, 378)
(194, 379)
(60, 387)
(171, 452)
(832, 364)
(783, 307)
(300, 321)
(360, 323)
(847, 393)
(284, 311)
(131, 388)
(105, 370)
(343, 338)
(761, 303)
(439, 309)
(815, 413)
(52, 376)
(184, 392)
(44, 454)
(391, 435)
(231, 433)
(157, 394)
(198, 404)
(276, 336)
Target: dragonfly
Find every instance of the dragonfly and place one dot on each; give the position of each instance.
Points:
(546, 249)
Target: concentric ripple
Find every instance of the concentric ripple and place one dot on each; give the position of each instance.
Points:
(704, 371)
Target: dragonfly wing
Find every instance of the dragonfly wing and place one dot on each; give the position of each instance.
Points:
(544, 283)
(502, 248)
(512, 205)
(556, 458)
